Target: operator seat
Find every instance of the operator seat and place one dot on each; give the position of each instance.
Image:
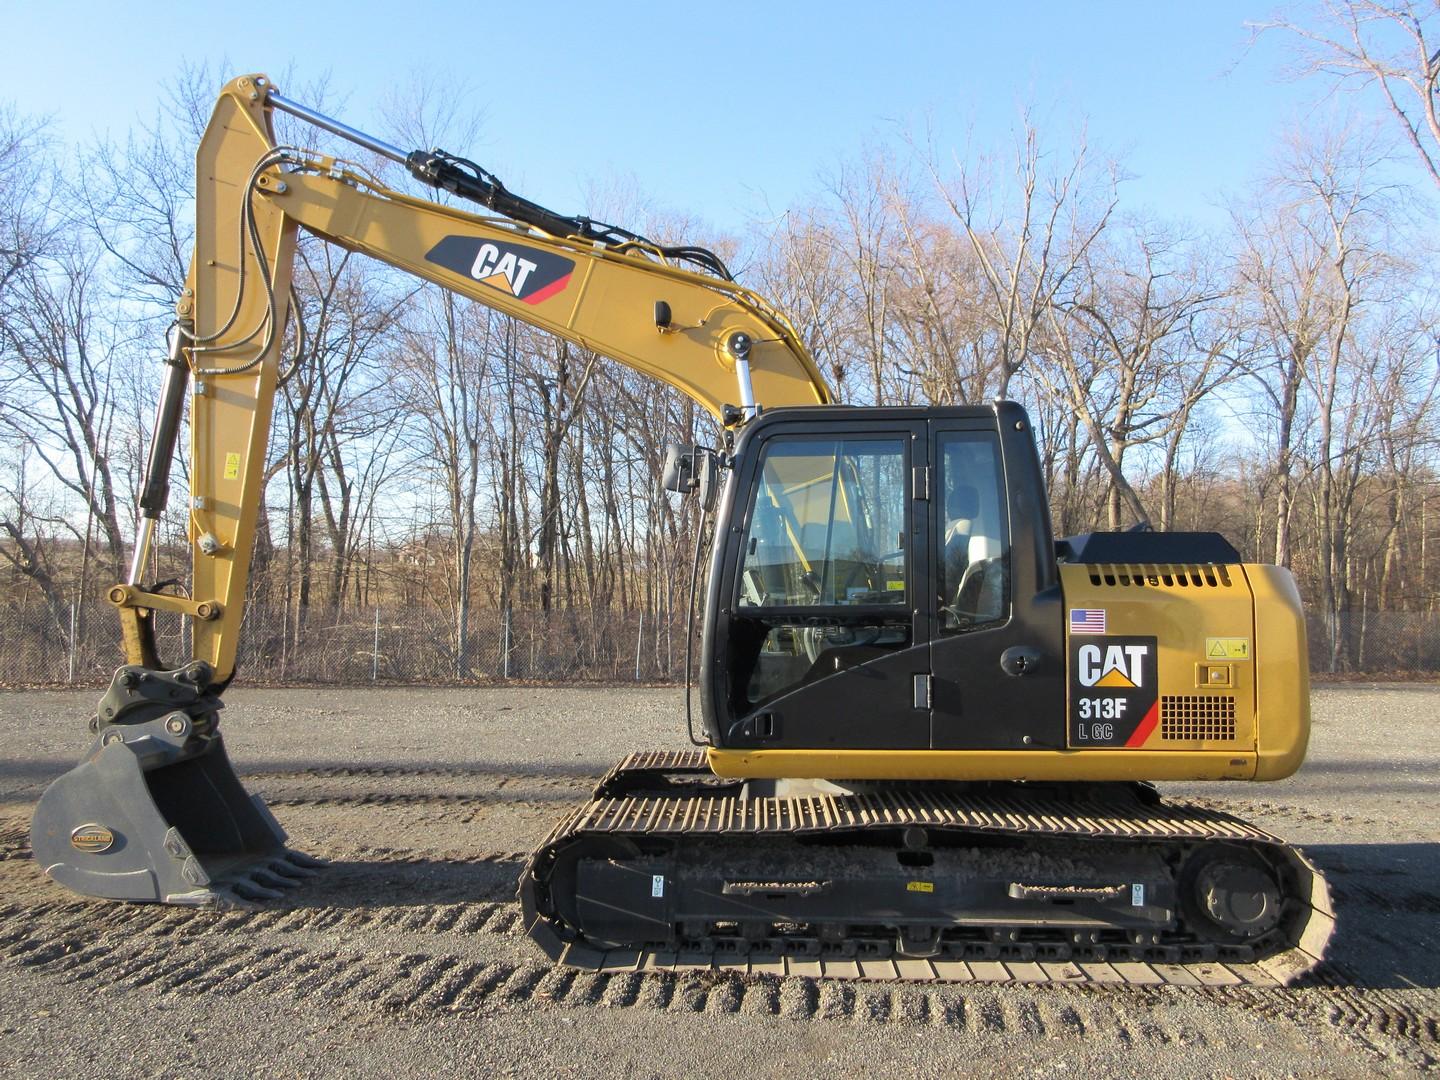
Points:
(962, 504)
(980, 596)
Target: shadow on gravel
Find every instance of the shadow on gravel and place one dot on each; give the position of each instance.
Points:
(27, 778)
(21, 779)
(1387, 897)
(372, 767)
(387, 882)
(1387, 905)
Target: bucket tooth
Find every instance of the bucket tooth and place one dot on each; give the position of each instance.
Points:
(250, 887)
(264, 875)
(285, 872)
(225, 898)
(302, 861)
(286, 864)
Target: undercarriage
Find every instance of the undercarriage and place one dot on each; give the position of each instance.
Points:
(669, 865)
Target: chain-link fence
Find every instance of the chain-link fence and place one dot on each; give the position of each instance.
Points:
(1375, 642)
(79, 645)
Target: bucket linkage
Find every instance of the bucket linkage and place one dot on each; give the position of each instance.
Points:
(155, 811)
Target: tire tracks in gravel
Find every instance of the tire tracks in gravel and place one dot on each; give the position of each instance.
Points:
(457, 795)
(14, 841)
(417, 983)
(445, 802)
(580, 781)
(470, 954)
(425, 959)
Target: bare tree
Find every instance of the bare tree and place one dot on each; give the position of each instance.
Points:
(339, 419)
(947, 345)
(1030, 232)
(443, 370)
(28, 539)
(1391, 46)
(26, 222)
(1282, 283)
(60, 385)
(1318, 274)
(1121, 351)
(804, 272)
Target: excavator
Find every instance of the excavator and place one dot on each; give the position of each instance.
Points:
(929, 731)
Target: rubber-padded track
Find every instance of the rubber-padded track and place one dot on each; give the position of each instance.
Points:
(694, 811)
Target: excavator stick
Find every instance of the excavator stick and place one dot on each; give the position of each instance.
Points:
(155, 811)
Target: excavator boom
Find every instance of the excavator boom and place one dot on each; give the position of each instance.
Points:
(715, 341)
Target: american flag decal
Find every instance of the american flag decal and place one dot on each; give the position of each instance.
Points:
(1087, 620)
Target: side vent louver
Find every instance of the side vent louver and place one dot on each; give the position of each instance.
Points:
(1161, 575)
(1197, 717)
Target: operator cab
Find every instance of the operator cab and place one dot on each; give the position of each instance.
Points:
(875, 570)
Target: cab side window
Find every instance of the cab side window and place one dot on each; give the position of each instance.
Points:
(826, 531)
(974, 542)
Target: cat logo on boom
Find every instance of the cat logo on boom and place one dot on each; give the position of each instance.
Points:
(529, 274)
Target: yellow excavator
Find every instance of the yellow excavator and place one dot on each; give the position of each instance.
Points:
(929, 729)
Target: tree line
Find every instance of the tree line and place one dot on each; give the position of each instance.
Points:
(1273, 377)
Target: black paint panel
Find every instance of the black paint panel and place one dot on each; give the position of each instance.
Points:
(1148, 547)
(873, 704)
(977, 705)
(1114, 683)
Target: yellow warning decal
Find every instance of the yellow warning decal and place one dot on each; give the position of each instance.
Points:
(232, 466)
(895, 586)
(1227, 648)
(920, 886)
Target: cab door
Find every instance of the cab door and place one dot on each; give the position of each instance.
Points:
(823, 640)
(996, 650)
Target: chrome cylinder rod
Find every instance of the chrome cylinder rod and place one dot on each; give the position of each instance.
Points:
(335, 127)
(144, 534)
(738, 347)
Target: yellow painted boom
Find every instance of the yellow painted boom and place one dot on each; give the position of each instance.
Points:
(251, 198)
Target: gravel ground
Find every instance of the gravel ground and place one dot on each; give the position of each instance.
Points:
(405, 957)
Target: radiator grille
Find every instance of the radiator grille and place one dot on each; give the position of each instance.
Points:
(1161, 575)
(1197, 717)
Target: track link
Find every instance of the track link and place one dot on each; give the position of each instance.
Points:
(666, 801)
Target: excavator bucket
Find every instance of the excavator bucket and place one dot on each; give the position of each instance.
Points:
(155, 811)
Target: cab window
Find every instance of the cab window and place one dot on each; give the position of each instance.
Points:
(974, 543)
(827, 525)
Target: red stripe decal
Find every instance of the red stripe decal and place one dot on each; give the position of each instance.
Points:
(1146, 727)
(548, 291)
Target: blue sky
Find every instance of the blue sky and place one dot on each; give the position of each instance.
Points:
(720, 110)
